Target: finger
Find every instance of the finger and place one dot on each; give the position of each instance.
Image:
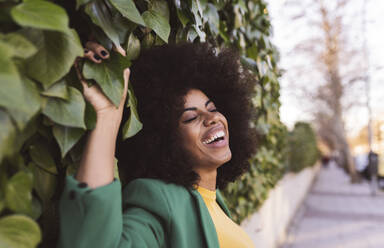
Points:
(120, 50)
(97, 49)
(92, 56)
(126, 74)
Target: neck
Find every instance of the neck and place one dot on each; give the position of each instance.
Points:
(207, 179)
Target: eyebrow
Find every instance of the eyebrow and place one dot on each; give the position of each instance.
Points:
(194, 108)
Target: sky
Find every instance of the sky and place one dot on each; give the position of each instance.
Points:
(287, 33)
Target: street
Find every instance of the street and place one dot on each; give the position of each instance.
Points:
(337, 214)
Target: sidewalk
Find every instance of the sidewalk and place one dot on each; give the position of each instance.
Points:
(337, 214)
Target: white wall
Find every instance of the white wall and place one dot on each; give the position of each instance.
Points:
(268, 226)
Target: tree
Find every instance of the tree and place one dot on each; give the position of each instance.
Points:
(331, 76)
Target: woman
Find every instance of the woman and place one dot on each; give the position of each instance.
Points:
(195, 107)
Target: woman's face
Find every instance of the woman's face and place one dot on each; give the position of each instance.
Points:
(204, 131)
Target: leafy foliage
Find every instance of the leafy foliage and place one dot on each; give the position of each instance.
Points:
(43, 117)
(302, 147)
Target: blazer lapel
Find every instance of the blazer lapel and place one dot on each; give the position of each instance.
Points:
(207, 225)
(220, 201)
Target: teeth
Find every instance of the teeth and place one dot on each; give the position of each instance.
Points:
(214, 137)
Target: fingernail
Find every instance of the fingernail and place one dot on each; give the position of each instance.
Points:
(104, 53)
(97, 57)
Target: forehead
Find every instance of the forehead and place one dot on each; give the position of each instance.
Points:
(195, 97)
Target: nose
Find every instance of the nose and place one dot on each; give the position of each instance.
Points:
(211, 118)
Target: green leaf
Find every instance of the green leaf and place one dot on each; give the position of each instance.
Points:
(41, 155)
(148, 41)
(195, 10)
(213, 18)
(128, 10)
(2, 202)
(18, 231)
(11, 91)
(109, 75)
(133, 47)
(90, 116)
(56, 54)
(192, 35)
(28, 105)
(159, 6)
(22, 48)
(81, 2)
(183, 17)
(67, 112)
(133, 125)
(40, 14)
(18, 193)
(157, 23)
(58, 90)
(44, 183)
(100, 15)
(66, 137)
(7, 134)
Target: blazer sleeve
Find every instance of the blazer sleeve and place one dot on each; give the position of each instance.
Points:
(94, 218)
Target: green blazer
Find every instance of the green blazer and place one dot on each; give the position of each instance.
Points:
(154, 214)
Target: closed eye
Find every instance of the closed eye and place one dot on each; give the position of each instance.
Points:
(189, 120)
(213, 110)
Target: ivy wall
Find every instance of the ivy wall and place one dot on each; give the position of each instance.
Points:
(44, 118)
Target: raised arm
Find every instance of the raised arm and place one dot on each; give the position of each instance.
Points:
(91, 212)
(96, 166)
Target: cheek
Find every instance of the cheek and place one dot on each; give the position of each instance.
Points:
(191, 142)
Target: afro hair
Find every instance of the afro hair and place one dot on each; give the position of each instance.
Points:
(160, 78)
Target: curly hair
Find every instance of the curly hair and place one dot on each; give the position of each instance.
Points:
(161, 77)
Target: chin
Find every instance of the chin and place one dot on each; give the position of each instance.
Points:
(224, 159)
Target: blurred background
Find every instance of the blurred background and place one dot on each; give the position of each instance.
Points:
(331, 55)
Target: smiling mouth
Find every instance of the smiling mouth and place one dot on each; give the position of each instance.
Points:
(215, 138)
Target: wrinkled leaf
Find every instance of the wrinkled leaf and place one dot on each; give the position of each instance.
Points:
(7, 135)
(196, 14)
(56, 54)
(58, 90)
(128, 10)
(157, 23)
(28, 106)
(11, 90)
(109, 75)
(18, 231)
(200, 33)
(41, 14)
(44, 183)
(90, 116)
(213, 18)
(66, 137)
(191, 35)
(81, 2)
(160, 7)
(100, 15)
(67, 112)
(133, 125)
(41, 155)
(148, 41)
(2, 202)
(18, 193)
(133, 47)
(22, 48)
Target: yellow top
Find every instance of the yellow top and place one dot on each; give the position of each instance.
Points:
(229, 233)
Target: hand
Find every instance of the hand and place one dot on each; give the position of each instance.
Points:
(93, 94)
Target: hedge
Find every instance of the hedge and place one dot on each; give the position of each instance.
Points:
(302, 150)
(44, 118)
